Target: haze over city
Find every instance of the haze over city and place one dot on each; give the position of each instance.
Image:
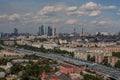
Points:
(28, 15)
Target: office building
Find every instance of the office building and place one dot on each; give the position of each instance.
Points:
(15, 31)
(1, 35)
(54, 31)
(49, 31)
(41, 30)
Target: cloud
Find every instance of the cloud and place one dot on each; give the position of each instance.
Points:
(10, 17)
(108, 7)
(46, 9)
(90, 9)
(95, 6)
(95, 13)
(85, 13)
(14, 16)
(52, 9)
(102, 21)
(3, 16)
(89, 5)
(71, 21)
(72, 8)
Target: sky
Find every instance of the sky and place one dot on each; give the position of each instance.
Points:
(91, 15)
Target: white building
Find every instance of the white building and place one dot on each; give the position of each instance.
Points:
(50, 45)
(63, 41)
(80, 55)
(38, 45)
(68, 49)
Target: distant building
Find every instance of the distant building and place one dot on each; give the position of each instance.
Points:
(56, 76)
(80, 55)
(49, 31)
(9, 53)
(41, 30)
(112, 60)
(99, 58)
(12, 77)
(63, 41)
(1, 35)
(68, 69)
(9, 43)
(54, 31)
(15, 32)
(112, 49)
(76, 76)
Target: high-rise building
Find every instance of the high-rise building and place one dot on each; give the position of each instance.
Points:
(15, 31)
(1, 35)
(49, 31)
(54, 31)
(41, 30)
(46, 30)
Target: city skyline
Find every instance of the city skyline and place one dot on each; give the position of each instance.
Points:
(28, 15)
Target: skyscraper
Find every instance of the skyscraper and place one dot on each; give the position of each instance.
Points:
(1, 35)
(46, 30)
(54, 31)
(49, 31)
(41, 30)
(15, 31)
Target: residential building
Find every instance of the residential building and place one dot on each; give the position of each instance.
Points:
(112, 60)
(99, 58)
(112, 49)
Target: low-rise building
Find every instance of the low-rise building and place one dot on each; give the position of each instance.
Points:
(112, 60)
(23, 60)
(63, 41)
(10, 43)
(68, 49)
(9, 53)
(99, 58)
(12, 77)
(80, 55)
(112, 49)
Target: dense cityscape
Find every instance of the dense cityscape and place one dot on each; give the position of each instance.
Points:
(59, 56)
(59, 40)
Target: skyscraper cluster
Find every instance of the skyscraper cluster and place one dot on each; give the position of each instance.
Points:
(49, 31)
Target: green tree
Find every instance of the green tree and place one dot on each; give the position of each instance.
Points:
(88, 58)
(93, 59)
(105, 61)
(3, 61)
(2, 79)
(16, 68)
(90, 77)
(117, 65)
(2, 70)
(116, 54)
(1, 48)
